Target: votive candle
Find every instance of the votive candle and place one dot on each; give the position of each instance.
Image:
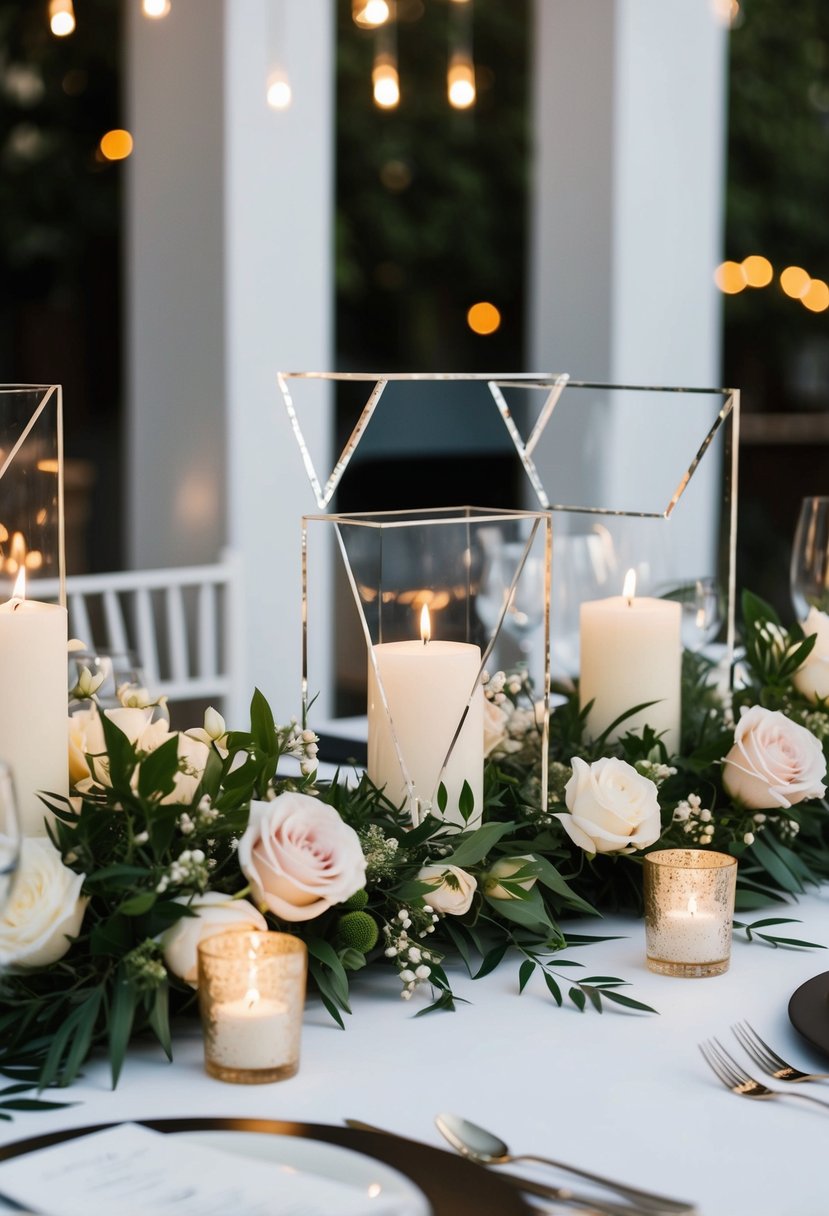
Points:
(689, 908)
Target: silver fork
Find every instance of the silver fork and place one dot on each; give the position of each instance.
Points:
(768, 1059)
(733, 1077)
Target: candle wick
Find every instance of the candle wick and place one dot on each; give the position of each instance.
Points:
(16, 604)
(630, 601)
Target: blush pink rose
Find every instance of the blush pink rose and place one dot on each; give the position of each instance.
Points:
(299, 857)
(774, 762)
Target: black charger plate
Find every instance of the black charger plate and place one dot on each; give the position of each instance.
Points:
(809, 1012)
(453, 1186)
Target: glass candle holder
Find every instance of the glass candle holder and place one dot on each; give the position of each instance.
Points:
(251, 996)
(689, 907)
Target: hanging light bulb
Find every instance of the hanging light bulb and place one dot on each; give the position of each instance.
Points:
(368, 14)
(279, 92)
(460, 82)
(155, 8)
(61, 17)
(385, 82)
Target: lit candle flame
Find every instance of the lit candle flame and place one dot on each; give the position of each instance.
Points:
(252, 997)
(692, 906)
(425, 624)
(629, 589)
(19, 590)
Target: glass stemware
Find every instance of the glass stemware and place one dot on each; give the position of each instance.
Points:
(702, 610)
(809, 573)
(108, 671)
(524, 615)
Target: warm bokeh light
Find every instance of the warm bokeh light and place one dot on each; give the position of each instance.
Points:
(116, 145)
(730, 277)
(61, 17)
(279, 91)
(759, 271)
(386, 84)
(155, 8)
(483, 318)
(795, 282)
(368, 14)
(816, 296)
(460, 83)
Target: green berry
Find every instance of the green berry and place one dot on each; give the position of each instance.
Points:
(357, 931)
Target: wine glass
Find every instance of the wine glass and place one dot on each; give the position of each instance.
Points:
(701, 600)
(809, 572)
(108, 669)
(9, 834)
(519, 596)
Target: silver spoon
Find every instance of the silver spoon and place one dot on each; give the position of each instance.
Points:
(479, 1145)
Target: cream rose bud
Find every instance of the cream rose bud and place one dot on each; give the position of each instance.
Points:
(299, 857)
(812, 678)
(45, 908)
(506, 868)
(215, 913)
(613, 809)
(452, 889)
(774, 762)
(86, 737)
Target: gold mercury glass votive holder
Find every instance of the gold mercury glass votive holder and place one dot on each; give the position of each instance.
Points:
(252, 997)
(689, 908)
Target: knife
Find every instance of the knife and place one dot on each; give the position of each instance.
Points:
(585, 1203)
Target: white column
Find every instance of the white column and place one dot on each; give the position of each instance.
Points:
(230, 280)
(629, 111)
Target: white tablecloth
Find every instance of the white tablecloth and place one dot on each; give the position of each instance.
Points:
(624, 1093)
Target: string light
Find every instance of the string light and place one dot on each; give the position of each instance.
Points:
(483, 318)
(385, 82)
(61, 17)
(816, 296)
(795, 282)
(369, 14)
(460, 82)
(155, 8)
(759, 271)
(279, 92)
(730, 277)
(115, 145)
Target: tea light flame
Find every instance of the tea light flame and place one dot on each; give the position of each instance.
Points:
(19, 589)
(252, 997)
(629, 589)
(692, 906)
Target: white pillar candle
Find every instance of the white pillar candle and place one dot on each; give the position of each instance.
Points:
(253, 1032)
(631, 652)
(33, 707)
(427, 686)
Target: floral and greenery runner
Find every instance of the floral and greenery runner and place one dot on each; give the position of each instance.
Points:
(171, 836)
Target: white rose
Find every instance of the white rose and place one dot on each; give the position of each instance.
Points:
(299, 857)
(44, 910)
(774, 762)
(613, 809)
(86, 737)
(216, 913)
(192, 758)
(495, 727)
(452, 888)
(507, 868)
(812, 678)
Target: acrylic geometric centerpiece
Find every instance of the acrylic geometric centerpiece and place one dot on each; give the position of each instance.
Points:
(440, 597)
(31, 486)
(636, 477)
(32, 633)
